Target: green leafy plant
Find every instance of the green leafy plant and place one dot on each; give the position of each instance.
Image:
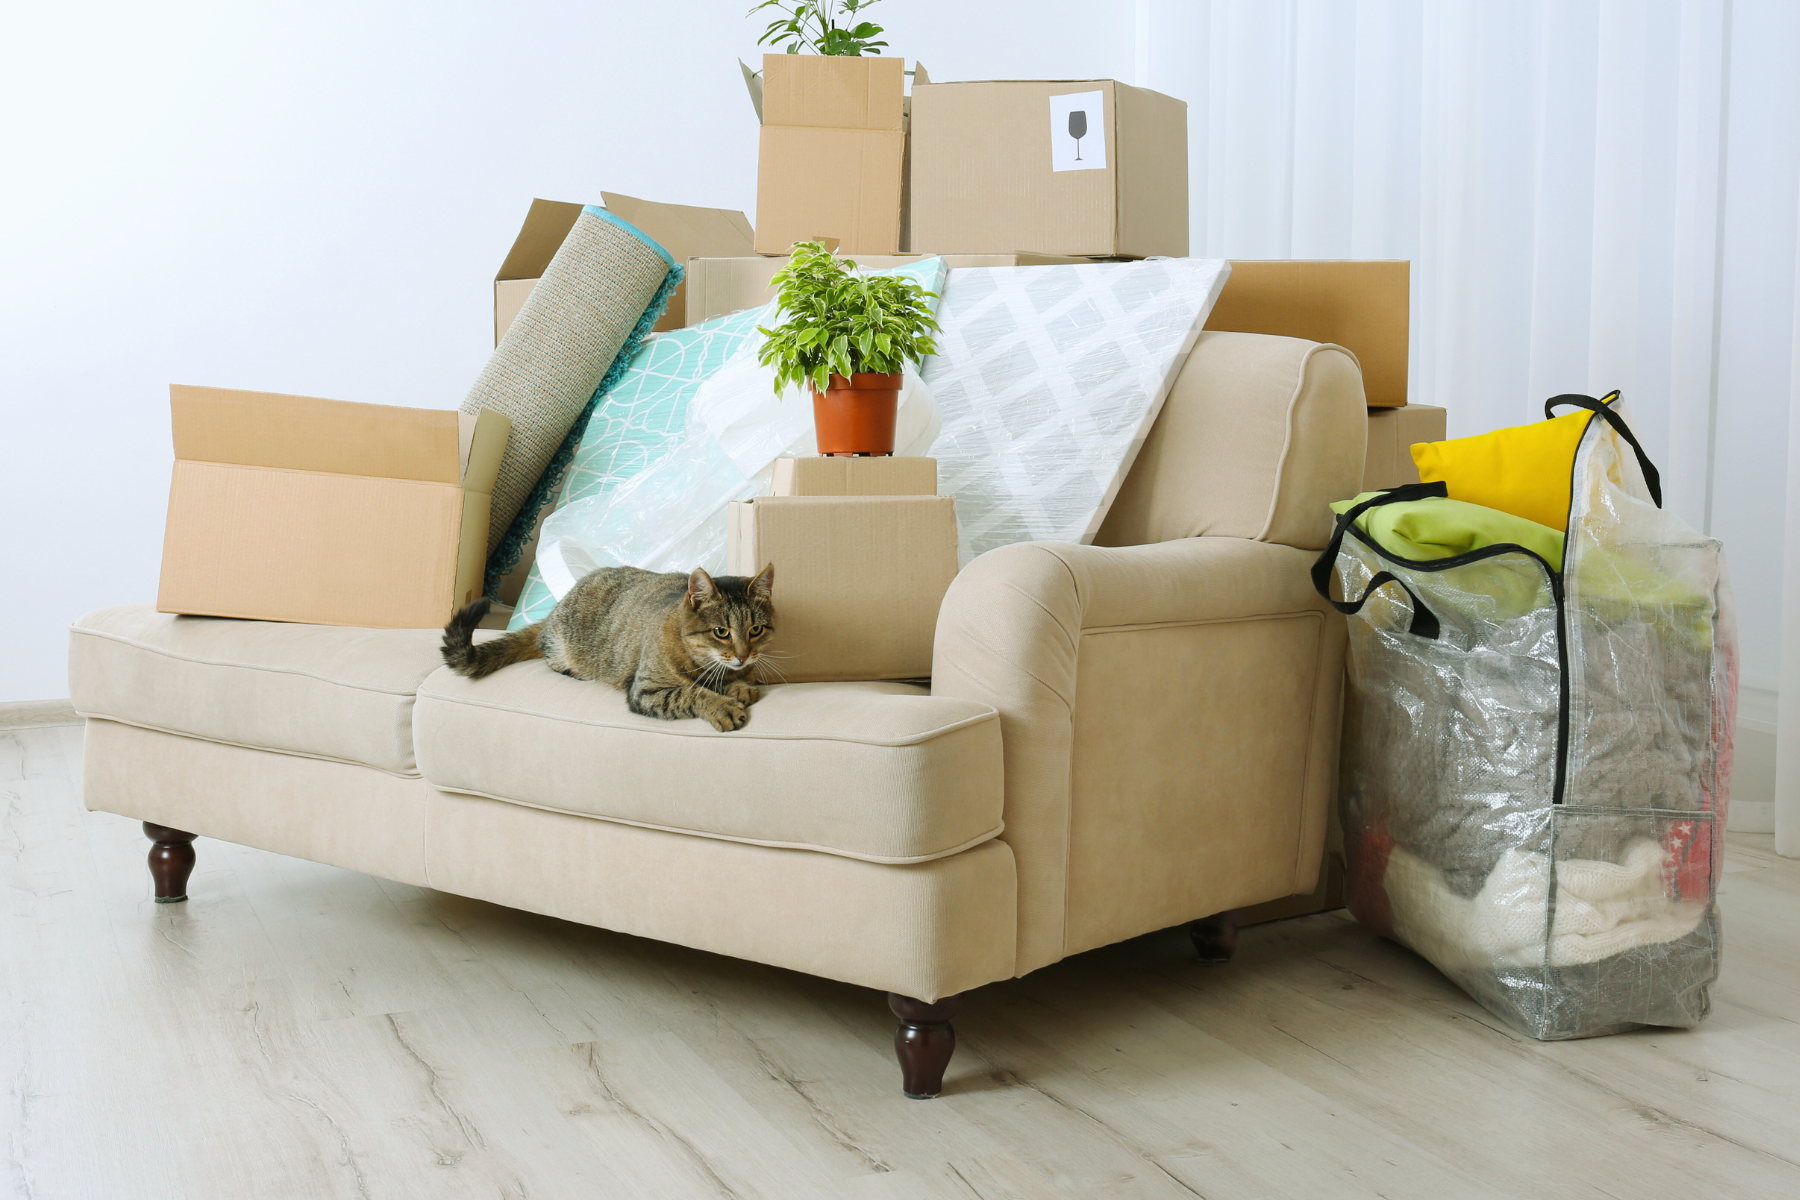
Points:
(841, 323)
(813, 25)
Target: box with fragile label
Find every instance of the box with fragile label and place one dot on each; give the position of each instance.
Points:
(832, 153)
(681, 229)
(1085, 167)
(858, 579)
(291, 508)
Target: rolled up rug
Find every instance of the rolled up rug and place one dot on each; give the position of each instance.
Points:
(568, 346)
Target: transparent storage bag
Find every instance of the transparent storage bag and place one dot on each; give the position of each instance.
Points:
(1537, 755)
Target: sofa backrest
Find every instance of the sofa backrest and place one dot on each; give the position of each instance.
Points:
(1258, 435)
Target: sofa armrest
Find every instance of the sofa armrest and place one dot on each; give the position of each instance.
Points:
(1010, 634)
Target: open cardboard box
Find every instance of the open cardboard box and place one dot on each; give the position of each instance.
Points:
(682, 230)
(831, 160)
(292, 508)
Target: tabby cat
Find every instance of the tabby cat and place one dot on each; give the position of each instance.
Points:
(676, 645)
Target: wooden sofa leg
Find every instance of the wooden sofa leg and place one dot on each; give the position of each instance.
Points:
(924, 1041)
(171, 861)
(1215, 937)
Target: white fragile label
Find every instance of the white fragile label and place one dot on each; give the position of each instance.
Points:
(1078, 132)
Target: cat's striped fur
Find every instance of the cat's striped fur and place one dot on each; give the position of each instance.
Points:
(676, 645)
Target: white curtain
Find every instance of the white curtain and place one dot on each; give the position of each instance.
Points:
(1593, 193)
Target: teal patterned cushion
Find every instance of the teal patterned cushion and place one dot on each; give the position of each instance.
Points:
(638, 420)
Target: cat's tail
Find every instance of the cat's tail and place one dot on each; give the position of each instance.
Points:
(466, 658)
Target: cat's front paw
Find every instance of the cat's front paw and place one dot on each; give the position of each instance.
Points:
(727, 714)
(743, 693)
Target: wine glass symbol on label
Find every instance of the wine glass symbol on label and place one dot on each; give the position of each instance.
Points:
(1077, 130)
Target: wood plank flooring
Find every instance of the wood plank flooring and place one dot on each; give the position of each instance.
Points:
(301, 1031)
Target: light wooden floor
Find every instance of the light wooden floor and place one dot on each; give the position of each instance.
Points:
(300, 1031)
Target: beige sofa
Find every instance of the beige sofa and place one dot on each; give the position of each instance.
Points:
(1117, 738)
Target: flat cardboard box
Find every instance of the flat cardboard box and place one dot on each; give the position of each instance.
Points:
(1392, 434)
(1363, 306)
(994, 166)
(858, 579)
(291, 508)
(682, 230)
(832, 155)
(884, 475)
(716, 286)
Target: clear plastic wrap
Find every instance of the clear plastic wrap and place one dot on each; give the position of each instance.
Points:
(1534, 798)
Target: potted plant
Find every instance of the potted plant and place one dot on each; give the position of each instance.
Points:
(813, 25)
(847, 337)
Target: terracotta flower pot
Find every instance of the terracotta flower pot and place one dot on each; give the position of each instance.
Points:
(856, 415)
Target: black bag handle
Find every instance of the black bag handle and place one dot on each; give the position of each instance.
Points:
(1424, 621)
(1609, 414)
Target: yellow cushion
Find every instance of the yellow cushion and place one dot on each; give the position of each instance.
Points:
(1523, 470)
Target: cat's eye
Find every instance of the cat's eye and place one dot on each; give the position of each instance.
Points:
(722, 633)
(757, 630)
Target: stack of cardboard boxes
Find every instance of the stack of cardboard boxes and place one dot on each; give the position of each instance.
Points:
(864, 550)
(996, 173)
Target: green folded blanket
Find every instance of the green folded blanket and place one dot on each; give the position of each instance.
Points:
(1427, 530)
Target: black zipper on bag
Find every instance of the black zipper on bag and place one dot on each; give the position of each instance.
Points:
(1562, 685)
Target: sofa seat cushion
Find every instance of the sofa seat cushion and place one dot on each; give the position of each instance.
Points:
(324, 691)
(883, 772)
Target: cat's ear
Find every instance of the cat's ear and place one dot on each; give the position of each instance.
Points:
(764, 584)
(701, 588)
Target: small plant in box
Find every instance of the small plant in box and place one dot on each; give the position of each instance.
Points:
(813, 24)
(848, 338)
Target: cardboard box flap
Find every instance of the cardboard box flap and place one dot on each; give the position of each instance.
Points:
(919, 75)
(753, 81)
(546, 225)
(834, 92)
(685, 231)
(481, 443)
(303, 433)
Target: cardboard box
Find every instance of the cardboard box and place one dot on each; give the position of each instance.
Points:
(832, 152)
(716, 286)
(887, 475)
(858, 579)
(1362, 306)
(682, 230)
(1392, 433)
(996, 166)
(290, 508)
